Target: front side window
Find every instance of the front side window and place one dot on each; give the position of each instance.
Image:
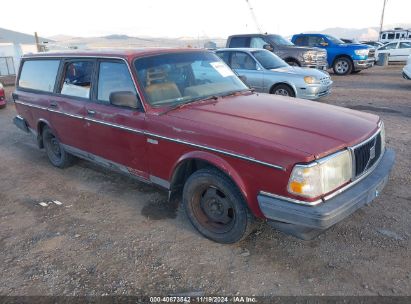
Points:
(405, 45)
(257, 42)
(174, 79)
(242, 61)
(279, 40)
(39, 74)
(77, 79)
(268, 60)
(389, 46)
(113, 77)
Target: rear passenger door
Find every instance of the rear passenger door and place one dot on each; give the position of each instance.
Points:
(116, 133)
(67, 108)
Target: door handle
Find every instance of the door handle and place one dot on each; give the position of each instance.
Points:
(91, 112)
(53, 104)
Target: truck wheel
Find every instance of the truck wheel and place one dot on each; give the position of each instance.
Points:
(283, 89)
(55, 151)
(216, 207)
(342, 66)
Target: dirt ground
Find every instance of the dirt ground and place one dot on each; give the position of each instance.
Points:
(113, 235)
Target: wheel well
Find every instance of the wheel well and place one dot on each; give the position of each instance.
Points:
(291, 59)
(184, 170)
(281, 83)
(40, 128)
(343, 56)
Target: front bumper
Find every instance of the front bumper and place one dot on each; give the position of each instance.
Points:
(321, 217)
(323, 66)
(313, 92)
(363, 64)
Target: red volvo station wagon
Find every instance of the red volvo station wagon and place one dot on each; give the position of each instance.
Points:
(181, 119)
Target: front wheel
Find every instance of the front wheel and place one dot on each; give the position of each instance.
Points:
(342, 66)
(284, 90)
(216, 207)
(55, 151)
(293, 63)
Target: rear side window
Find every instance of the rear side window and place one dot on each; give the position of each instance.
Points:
(237, 42)
(39, 75)
(113, 77)
(301, 40)
(77, 78)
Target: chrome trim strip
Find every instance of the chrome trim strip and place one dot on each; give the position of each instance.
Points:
(291, 200)
(218, 151)
(243, 157)
(30, 105)
(115, 125)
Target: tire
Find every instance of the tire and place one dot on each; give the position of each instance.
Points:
(342, 66)
(293, 63)
(216, 207)
(55, 151)
(283, 90)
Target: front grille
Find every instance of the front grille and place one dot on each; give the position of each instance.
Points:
(325, 80)
(367, 154)
(371, 53)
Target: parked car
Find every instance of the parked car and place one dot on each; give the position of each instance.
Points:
(406, 71)
(232, 154)
(294, 55)
(342, 57)
(397, 51)
(268, 73)
(374, 44)
(2, 96)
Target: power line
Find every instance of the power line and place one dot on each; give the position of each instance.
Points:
(254, 17)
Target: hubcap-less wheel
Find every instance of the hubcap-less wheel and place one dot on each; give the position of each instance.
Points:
(282, 92)
(213, 209)
(53, 147)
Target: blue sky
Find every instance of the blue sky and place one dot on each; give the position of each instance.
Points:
(213, 18)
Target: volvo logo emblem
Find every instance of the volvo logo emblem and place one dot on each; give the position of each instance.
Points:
(372, 152)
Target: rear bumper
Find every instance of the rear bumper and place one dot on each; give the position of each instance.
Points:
(363, 64)
(326, 214)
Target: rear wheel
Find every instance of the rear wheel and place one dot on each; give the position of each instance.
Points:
(342, 66)
(55, 151)
(283, 89)
(216, 207)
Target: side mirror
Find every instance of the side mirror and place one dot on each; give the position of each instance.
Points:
(324, 43)
(268, 47)
(125, 99)
(243, 78)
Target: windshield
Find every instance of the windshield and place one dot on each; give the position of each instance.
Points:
(268, 60)
(279, 40)
(174, 79)
(334, 39)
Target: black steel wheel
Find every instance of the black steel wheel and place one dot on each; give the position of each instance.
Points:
(215, 206)
(55, 151)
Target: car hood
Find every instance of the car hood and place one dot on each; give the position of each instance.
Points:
(301, 71)
(276, 122)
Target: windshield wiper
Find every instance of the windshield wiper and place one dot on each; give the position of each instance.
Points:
(183, 104)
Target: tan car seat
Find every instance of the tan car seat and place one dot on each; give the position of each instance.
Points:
(158, 88)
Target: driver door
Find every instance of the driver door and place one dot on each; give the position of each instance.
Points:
(245, 65)
(116, 133)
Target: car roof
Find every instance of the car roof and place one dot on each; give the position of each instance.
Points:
(114, 53)
(241, 49)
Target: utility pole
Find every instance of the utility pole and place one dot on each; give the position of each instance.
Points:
(382, 18)
(254, 17)
(37, 42)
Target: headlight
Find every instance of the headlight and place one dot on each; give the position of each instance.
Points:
(310, 80)
(321, 176)
(363, 52)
